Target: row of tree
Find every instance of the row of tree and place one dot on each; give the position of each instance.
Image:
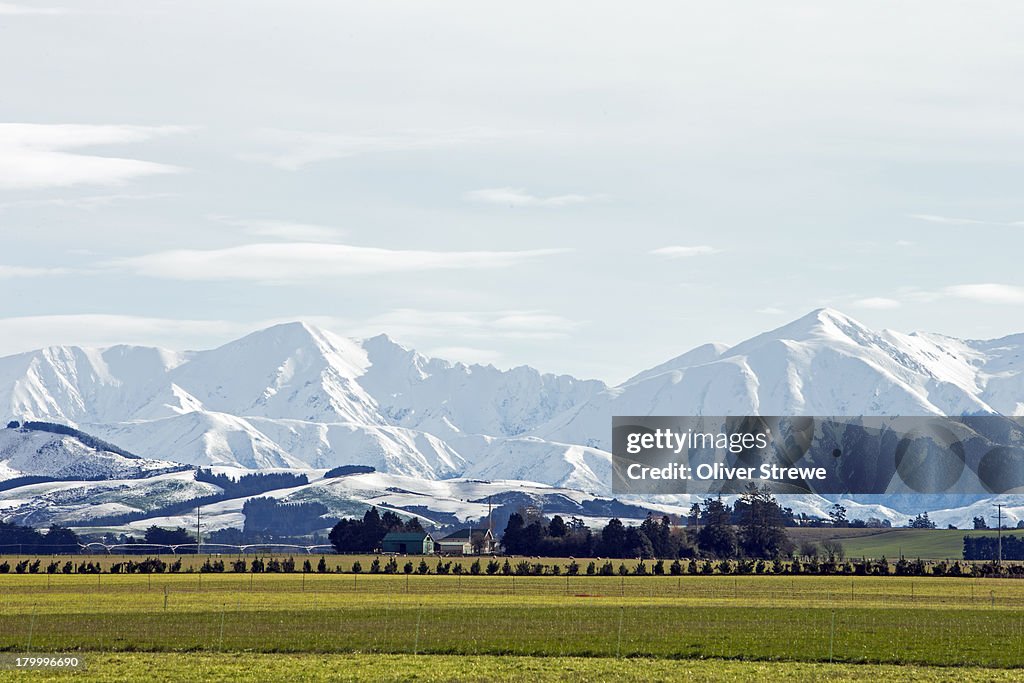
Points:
(270, 517)
(988, 547)
(251, 484)
(365, 535)
(25, 539)
(755, 527)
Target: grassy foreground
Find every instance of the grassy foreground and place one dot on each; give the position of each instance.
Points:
(437, 668)
(854, 620)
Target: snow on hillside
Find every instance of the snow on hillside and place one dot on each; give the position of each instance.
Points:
(78, 502)
(26, 452)
(822, 364)
(293, 396)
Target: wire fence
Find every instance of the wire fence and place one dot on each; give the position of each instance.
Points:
(861, 619)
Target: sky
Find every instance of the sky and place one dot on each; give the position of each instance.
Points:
(585, 187)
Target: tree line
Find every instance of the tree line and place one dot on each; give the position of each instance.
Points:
(754, 527)
(25, 539)
(365, 535)
(987, 547)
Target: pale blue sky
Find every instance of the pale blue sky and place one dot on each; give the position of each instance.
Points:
(584, 187)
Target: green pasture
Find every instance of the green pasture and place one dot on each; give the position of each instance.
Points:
(258, 668)
(853, 620)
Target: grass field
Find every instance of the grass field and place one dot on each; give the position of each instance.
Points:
(608, 621)
(927, 544)
(161, 667)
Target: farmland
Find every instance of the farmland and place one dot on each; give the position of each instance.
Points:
(566, 628)
(928, 544)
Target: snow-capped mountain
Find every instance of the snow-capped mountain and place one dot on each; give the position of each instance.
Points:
(42, 454)
(296, 396)
(824, 363)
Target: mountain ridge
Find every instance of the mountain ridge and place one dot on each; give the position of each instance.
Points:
(293, 395)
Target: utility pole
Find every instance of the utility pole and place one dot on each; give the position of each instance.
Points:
(199, 535)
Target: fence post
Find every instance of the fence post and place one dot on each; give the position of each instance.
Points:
(618, 645)
(832, 637)
(419, 616)
(31, 630)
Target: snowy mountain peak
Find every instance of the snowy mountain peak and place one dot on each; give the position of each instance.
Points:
(294, 395)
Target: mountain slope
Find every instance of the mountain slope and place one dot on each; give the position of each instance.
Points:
(822, 364)
(294, 396)
(34, 453)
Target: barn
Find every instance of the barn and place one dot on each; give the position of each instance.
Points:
(408, 543)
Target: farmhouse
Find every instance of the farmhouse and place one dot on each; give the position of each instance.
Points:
(467, 542)
(408, 543)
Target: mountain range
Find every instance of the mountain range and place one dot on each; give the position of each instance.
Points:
(297, 397)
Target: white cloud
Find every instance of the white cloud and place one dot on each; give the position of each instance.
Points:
(685, 252)
(88, 203)
(35, 155)
(517, 196)
(293, 261)
(770, 310)
(8, 272)
(7, 8)
(877, 303)
(989, 293)
(290, 150)
(949, 220)
(288, 230)
(32, 332)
